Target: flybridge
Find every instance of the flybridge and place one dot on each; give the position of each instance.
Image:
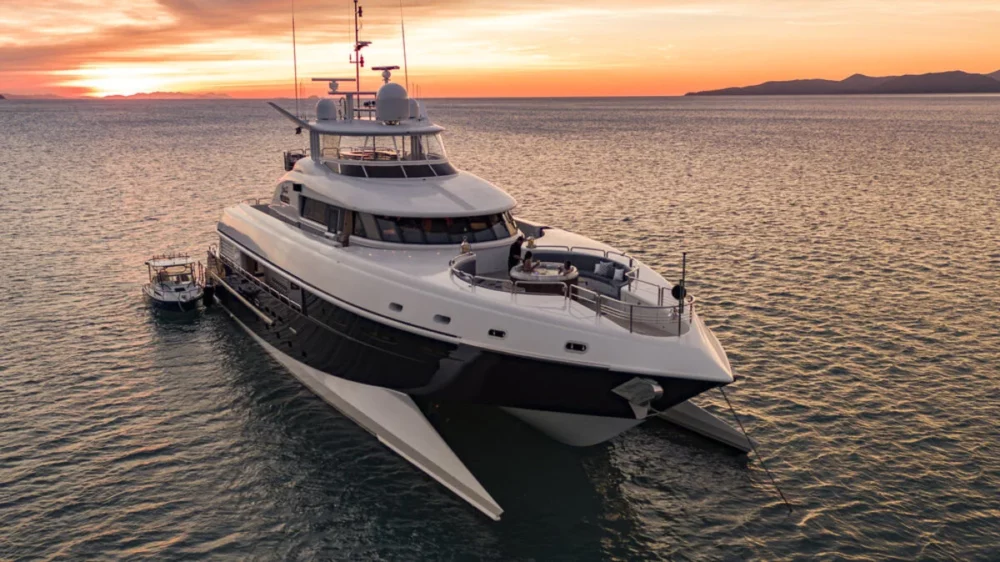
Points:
(386, 128)
(393, 128)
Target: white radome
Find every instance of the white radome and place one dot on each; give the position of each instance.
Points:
(326, 110)
(392, 103)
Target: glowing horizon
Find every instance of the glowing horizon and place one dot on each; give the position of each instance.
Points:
(475, 48)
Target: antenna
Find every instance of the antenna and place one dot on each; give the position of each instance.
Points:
(386, 72)
(402, 27)
(295, 62)
(358, 60)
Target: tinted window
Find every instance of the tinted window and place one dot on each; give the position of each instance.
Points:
(511, 223)
(388, 230)
(333, 218)
(435, 230)
(458, 229)
(411, 230)
(384, 171)
(500, 227)
(419, 171)
(444, 169)
(481, 230)
(370, 227)
(318, 211)
(359, 227)
(314, 210)
(353, 170)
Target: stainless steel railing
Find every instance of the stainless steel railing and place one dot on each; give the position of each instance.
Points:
(654, 320)
(244, 274)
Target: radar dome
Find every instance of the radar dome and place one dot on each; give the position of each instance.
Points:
(392, 103)
(326, 110)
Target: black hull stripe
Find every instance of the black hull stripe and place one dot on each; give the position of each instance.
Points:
(327, 338)
(328, 296)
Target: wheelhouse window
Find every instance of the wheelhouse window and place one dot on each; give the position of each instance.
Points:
(330, 216)
(383, 148)
(413, 230)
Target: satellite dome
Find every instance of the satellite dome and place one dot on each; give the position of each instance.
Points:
(392, 103)
(326, 110)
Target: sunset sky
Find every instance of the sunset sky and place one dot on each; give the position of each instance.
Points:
(484, 48)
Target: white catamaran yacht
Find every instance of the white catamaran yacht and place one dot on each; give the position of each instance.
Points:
(382, 277)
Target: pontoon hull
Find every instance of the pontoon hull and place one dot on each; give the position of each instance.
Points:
(395, 419)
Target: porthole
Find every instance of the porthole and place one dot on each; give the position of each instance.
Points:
(576, 347)
(498, 333)
(442, 319)
(395, 307)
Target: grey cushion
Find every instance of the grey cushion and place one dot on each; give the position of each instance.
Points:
(605, 269)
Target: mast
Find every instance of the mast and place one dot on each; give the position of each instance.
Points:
(357, 49)
(358, 60)
(402, 27)
(295, 62)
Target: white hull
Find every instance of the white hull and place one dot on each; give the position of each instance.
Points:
(577, 430)
(170, 299)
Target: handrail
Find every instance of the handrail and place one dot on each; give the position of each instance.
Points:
(253, 279)
(265, 318)
(658, 316)
(580, 249)
(343, 158)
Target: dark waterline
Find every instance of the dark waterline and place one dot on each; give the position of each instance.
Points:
(845, 250)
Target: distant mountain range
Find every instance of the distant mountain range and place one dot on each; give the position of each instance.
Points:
(168, 96)
(142, 96)
(954, 82)
(30, 97)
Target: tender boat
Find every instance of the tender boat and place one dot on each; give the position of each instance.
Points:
(382, 277)
(174, 282)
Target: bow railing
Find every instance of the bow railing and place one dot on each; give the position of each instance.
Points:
(649, 319)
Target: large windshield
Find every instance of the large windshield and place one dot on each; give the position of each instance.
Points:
(410, 230)
(383, 147)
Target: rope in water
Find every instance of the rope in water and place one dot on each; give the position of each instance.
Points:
(752, 446)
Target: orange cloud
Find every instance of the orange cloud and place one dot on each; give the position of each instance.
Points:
(481, 48)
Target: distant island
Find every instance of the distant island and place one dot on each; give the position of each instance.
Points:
(168, 96)
(954, 82)
(30, 97)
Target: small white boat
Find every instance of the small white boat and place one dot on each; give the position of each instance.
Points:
(174, 282)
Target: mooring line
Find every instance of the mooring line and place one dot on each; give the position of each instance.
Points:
(754, 447)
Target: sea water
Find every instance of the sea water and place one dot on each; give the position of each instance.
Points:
(845, 250)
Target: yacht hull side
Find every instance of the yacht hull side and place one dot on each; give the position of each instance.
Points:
(339, 342)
